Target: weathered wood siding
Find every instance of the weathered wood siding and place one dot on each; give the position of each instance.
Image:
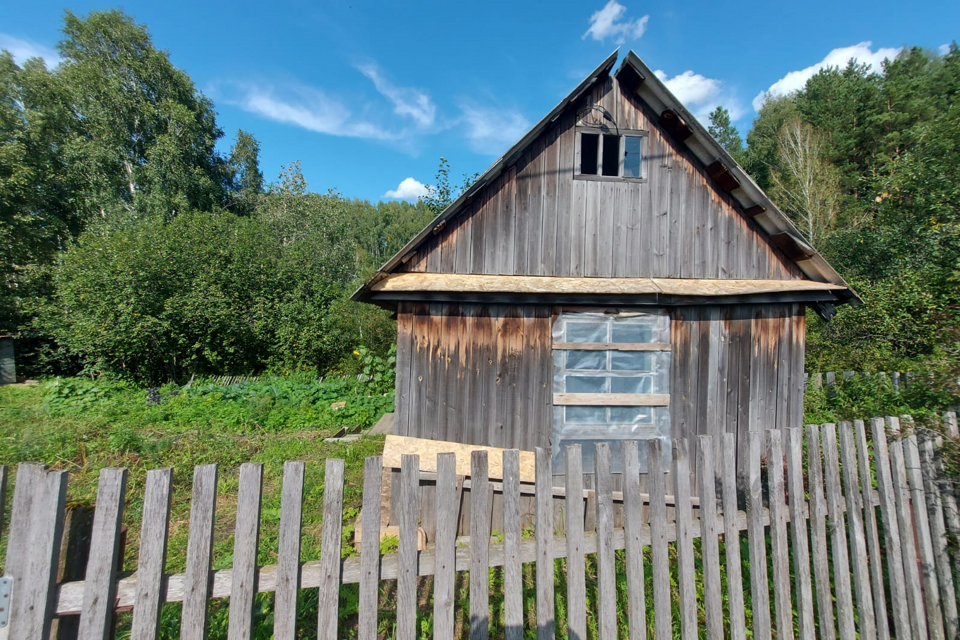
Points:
(537, 219)
(483, 374)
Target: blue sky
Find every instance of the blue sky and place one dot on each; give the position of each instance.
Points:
(369, 95)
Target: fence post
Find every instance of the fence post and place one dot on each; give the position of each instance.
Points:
(329, 601)
(684, 523)
(479, 546)
(778, 536)
(873, 537)
(573, 501)
(798, 531)
(544, 533)
(712, 587)
(151, 592)
(606, 565)
(731, 538)
(633, 524)
(818, 533)
(659, 558)
(759, 587)
(858, 546)
(247, 534)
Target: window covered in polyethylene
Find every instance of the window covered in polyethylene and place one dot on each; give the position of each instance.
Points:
(611, 379)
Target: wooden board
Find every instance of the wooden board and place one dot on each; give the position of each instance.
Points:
(396, 446)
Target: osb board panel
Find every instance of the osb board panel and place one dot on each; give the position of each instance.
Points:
(396, 446)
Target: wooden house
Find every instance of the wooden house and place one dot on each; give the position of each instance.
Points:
(614, 275)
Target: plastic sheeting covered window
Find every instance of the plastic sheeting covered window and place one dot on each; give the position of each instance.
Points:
(610, 352)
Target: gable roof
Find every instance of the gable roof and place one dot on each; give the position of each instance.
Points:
(650, 89)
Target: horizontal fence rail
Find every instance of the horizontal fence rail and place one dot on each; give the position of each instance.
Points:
(828, 531)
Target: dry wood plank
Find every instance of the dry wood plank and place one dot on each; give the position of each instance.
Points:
(951, 512)
(712, 587)
(659, 558)
(193, 625)
(606, 565)
(407, 547)
(818, 533)
(544, 545)
(938, 536)
(288, 552)
(858, 541)
(908, 545)
(686, 578)
(512, 568)
(445, 548)
(3, 494)
(891, 530)
(330, 539)
(246, 538)
(574, 509)
(838, 534)
(798, 531)
(633, 551)
(928, 571)
(479, 547)
(395, 446)
(757, 540)
(155, 519)
(100, 585)
(27, 495)
(874, 558)
(731, 537)
(370, 545)
(779, 545)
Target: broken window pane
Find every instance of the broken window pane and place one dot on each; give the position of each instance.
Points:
(631, 156)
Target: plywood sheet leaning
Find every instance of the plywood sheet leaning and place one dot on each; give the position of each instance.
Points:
(396, 446)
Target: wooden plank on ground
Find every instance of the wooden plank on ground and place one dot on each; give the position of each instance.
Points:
(633, 551)
(512, 567)
(759, 589)
(938, 535)
(686, 578)
(576, 584)
(288, 552)
(712, 587)
(407, 547)
(246, 538)
(659, 558)
(544, 545)
(370, 546)
(193, 624)
(154, 520)
(798, 531)
(479, 548)
(779, 544)
(731, 538)
(858, 540)
(838, 534)
(445, 548)
(606, 564)
(329, 602)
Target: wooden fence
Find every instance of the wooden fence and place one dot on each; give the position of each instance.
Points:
(899, 380)
(846, 528)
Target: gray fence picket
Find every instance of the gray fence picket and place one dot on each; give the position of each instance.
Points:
(544, 545)
(686, 579)
(3, 494)
(409, 507)
(243, 585)
(908, 545)
(891, 530)
(731, 538)
(512, 567)
(798, 533)
(712, 587)
(329, 599)
(818, 534)
(479, 546)
(874, 557)
(838, 534)
(759, 589)
(154, 525)
(100, 580)
(288, 552)
(444, 581)
(858, 542)
(779, 545)
(951, 511)
(193, 625)
(369, 600)
(574, 510)
(606, 564)
(938, 535)
(633, 551)
(659, 558)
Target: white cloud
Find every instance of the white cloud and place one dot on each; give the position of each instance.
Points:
(22, 50)
(608, 23)
(795, 80)
(492, 130)
(700, 94)
(409, 189)
(944, 49)
(406, 102)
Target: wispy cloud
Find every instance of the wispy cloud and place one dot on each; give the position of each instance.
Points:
(406, 101)
(701, 94)
(22, 50)
(409, 189)
(492, 130)
(609, 22)
(944, 49)
(795, 80)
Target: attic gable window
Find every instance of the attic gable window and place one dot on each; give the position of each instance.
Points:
(604, 154)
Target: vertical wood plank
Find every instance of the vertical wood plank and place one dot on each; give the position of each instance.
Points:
(686, 578)
(288, 552)
(155, 520)
(544, 542)
(858, 541)
(759, 589)
(573, 504)
(243, 585)
(731, 539)
(330, 537)
(633, 552)
(479, 547)
(928, 571)
(712, 587)
(100, 584)
(838, 534)
(197, 581)
(818, 534)
(908, 545)
(891, 530)
(951, 513)
(512, 567)
(798, 531)
(875, 561)
(778, 536)
(370, 543)
(659, 558)
(938, 536)
(3, 494)
(606, 566)
(409, 507)
(445, 548)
